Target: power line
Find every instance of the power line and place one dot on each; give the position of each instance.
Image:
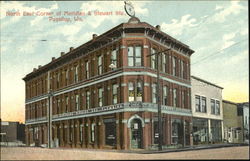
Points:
(218, 51)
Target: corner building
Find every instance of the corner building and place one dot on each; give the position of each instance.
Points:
(95, 106)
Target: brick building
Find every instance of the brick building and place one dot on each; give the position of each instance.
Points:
(95, 106)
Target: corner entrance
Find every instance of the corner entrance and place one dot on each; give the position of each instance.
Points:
(136, 137)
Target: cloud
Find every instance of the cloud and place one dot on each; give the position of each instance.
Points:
(176, 27)
(224, 12)
(227, 40)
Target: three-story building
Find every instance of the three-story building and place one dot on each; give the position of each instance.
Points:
(96, 106)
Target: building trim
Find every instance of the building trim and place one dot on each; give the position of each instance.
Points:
(56, 93)
(123, 107)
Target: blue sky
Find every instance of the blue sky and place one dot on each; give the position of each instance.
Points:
(216, 30)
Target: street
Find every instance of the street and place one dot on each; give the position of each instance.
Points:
(32, 153)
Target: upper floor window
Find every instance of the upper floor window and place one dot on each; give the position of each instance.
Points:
(197, 104)
(175, 97)
(99, 59)
(182, 69)
(212, 106)
(114, 56)
(114, 93)
(135, 91)
(131, 92)
(174, 66)
(87, 100)
(100, 97)
(153, 58)
(183, 98)
(66, 76)
(217, 108)
(67, 104)
(57, 80)
(164, 62)
(154, 93)
(165, 95)
(203, 104)
(76, 74)
(134, 56)
(77, 102)
(87, 69)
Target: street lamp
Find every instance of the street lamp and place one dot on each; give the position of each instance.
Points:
(158, 97)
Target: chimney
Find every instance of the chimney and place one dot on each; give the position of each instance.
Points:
(53, 58)
(34, 69)
(62, 53)
(71, 48)
(94, 36)
(158, 27)
(39, 66)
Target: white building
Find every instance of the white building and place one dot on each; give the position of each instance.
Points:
(207, 111)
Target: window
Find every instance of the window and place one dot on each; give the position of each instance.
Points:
(87, 69)
(77, 102)
(114, 93)
(66, 76)
(138, 56)
(164, 65)
(76, 74)
(139, 91)
(134, 56)
(165, 95)
(174, 66)
(57, 80)
(131, 92)
(114, 56)
(153, 58)
(212, 106)
(182, 69)
(204, 104)
(67, 103)
(183, 98)
(154, 93)
(217, 109)
(57, 105)
(197, 104)
(135, 92)
(81, 136)
(87, 100)
(99, 59)
(175, 97)
(100, 97)
(92, 132)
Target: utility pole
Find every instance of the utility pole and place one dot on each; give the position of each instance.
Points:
(159, 97)
(50, 119)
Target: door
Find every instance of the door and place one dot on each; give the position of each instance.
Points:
(136, 134)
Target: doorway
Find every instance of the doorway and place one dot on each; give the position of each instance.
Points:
(136, 138)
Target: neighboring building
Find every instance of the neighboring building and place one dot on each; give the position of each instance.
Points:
(94, 106)
(243, 110)
(12, 131)
(207, 111)
(233, 126)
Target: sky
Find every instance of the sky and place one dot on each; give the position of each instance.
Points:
(216, 30)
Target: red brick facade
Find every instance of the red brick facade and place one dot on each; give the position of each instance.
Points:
(78, 122)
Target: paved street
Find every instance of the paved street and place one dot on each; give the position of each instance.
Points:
(30, 153)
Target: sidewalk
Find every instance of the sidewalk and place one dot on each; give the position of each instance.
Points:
(196, 147)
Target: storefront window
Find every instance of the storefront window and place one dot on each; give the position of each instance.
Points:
(110, 131)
